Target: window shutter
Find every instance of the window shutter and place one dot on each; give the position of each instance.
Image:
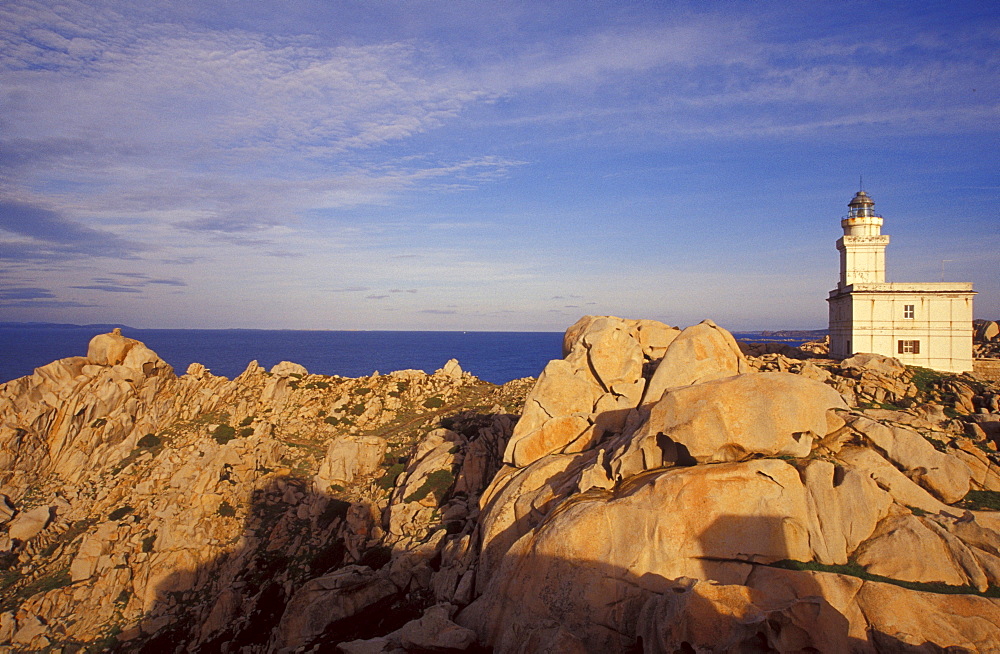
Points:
(916, 347)
(899, 345)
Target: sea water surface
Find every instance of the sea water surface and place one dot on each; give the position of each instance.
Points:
(496, 357)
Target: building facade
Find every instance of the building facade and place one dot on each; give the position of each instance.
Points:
(928, 325)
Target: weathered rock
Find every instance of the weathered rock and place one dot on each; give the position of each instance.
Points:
(731, 419)
(944, 476)
(435, 455)
(190, 536)
(349, 457)
(451, 369)
(109, 349)
(906, 620)
(435, 631)
(848, 505)
(552, 436)
(562, 390)
(880, 617)
(655, 337)
(700, 353)
(889, 366)
(8, 625)
(709, 617)
(288, 369)
(31, 632)
(27, 525)
(6, 509)
(905, 547)
(613, 353)
(517, 501)
(987, 330)
(681, 522)
(93, 547)
(326, 600)
(901, 488)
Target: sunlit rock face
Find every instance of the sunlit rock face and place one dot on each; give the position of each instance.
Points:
(673, 526)
(657, 489)
(142, 511)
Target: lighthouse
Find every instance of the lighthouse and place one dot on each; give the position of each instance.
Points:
(925, 324)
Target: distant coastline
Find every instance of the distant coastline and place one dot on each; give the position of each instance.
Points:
(61, 325)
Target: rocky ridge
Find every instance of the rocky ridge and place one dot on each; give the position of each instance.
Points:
(657, 489)
(986, 339)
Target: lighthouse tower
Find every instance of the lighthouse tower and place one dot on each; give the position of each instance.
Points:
(927, 325)
(862, 247)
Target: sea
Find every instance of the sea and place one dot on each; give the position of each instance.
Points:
(496, 357)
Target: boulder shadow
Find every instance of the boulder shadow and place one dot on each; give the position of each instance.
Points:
(742, 593)
(238, 599)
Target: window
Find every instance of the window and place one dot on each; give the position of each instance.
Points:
(908, 347)
(908, 311)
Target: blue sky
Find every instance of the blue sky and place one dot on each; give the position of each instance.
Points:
(315, 164)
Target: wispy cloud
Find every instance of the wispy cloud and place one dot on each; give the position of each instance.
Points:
(108, 288)
(25, 293)
(464, 154)
(48, 235)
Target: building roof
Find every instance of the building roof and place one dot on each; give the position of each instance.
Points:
(860, 199)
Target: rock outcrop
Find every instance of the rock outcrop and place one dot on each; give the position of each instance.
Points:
(986, 339)
(142, 511)
(733, 509)
(656, 490)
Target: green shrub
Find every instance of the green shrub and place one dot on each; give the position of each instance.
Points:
(434, 402)
(388, 480)
(45, 584)
(438, 482)
(246, 421)
(318, 384)
(226, 510)
(364, 390)
(331, 420)
(147, 543)
(982, 500)
(120, 513)
(925, 379)
(223, 434)
(149, 441)
(244, 432)
(358, 409)
(854, 569)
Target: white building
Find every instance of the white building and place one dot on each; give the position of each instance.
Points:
(927, 325)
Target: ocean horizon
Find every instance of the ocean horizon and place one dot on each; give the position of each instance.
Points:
(496, 357)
